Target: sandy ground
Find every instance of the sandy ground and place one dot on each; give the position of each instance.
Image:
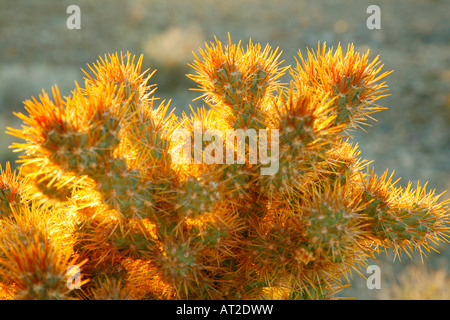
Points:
(37, 50)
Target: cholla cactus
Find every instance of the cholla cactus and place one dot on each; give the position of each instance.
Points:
(99, 187)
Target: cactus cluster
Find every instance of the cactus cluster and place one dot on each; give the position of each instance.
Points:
(98, 187)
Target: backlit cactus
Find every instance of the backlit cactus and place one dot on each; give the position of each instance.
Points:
(101, 185)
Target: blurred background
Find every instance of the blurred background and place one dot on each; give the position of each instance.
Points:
(412, 136)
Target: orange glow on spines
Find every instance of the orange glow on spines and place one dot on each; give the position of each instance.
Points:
(146, 227)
